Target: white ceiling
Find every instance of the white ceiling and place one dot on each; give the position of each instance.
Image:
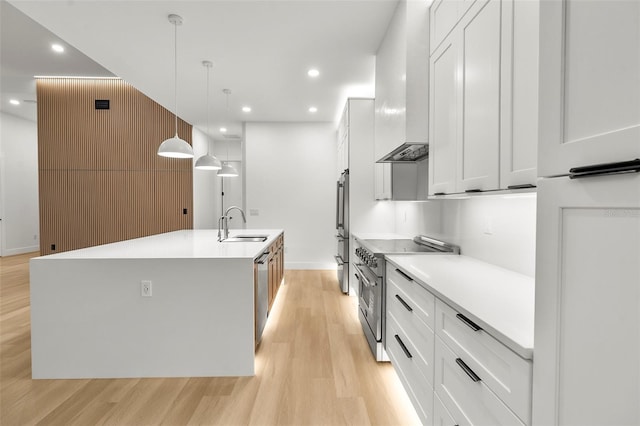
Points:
(260, 49)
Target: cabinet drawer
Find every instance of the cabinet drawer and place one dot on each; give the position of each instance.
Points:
(501, 370)
(414, 367)
(419, 305)
(441, 416)
(468, 402)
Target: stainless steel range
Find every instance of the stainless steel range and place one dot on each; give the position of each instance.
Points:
(371, 276)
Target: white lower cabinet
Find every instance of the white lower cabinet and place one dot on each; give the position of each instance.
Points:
(441, 416)
(507, 375)
(413, 361)
(465, 395)
(454, 372)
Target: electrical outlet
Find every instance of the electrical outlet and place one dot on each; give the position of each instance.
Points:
(488, 226)
(145, 289)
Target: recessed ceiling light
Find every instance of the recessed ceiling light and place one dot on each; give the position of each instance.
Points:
(313, 72)
(14, 102)
(57, 48)
(246, 109)
(223, 129)
(313, 109)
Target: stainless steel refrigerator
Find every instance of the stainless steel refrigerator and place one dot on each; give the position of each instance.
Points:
(342, 231)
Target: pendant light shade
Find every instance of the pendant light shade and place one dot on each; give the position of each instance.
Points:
(227, 170)
(175, 147)
(208, 161)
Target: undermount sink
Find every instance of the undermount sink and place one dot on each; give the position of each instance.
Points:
(246, 239)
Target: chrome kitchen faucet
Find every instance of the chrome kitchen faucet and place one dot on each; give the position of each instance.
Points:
(223, 222)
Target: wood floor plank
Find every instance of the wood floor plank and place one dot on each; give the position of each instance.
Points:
(313, 367)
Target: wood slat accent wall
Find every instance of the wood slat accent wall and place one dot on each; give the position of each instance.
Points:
(100, 178)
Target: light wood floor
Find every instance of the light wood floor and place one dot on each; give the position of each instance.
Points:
(313, 367)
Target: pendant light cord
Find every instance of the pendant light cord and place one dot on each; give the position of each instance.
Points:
(175, 82)
(227, 93)
(208, 110)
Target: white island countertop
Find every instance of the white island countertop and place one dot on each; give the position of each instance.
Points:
(183, 244)
(499, 300)
(178, 304)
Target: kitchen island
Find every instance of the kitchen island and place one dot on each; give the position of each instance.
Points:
(179, 304)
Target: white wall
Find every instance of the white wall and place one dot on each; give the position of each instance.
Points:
(498, 229)
(290, 183)
(19, 228)
(206, 186)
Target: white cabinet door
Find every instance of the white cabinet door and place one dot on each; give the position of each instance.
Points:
(519, 98)
(443, 88)
(589, 83)
(479, 105)
(587, 319)
(441, 416)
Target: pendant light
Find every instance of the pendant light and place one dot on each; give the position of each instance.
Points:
(227, 169)
(208, 161)
(175, 147)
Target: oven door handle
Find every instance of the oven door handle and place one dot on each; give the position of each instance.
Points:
(362, 277)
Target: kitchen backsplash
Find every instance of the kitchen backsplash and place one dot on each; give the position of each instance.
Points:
(498, 229)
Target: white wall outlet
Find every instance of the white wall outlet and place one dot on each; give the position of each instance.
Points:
(145, 289)
(254, 212)
(488, 226)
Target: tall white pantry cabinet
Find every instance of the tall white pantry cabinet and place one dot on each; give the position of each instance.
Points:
(587, 319)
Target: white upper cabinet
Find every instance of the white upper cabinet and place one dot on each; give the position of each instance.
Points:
(589, 114)
(519, 112)
(445, 14)
(483, 104)
(443, 106)
(479, 107)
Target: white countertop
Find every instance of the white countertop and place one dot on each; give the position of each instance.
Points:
(500, 301)
(183, 244)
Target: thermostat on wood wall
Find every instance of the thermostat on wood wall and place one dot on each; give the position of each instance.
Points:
(102, 103)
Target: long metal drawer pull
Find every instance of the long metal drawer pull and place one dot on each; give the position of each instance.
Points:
(467, 321)
(405, 304)
(468, 370)
(632, 166)
(522, 186)
(440, 193)
(404, 348)
(407, 277)
(473, 190)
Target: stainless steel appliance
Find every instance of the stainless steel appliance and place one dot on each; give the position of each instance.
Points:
(370, 271)
(342, 231)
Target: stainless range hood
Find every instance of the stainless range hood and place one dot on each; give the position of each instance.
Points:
(407, 152)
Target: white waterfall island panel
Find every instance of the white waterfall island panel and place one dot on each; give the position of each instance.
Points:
(90, 320)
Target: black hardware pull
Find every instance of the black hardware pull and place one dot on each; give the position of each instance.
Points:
(467, 321)
(405, 304)
(473, 190)
(523, 186)
(620, 167)
(407, 277)
(473, 376)
(439, 193)
(404, 348)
